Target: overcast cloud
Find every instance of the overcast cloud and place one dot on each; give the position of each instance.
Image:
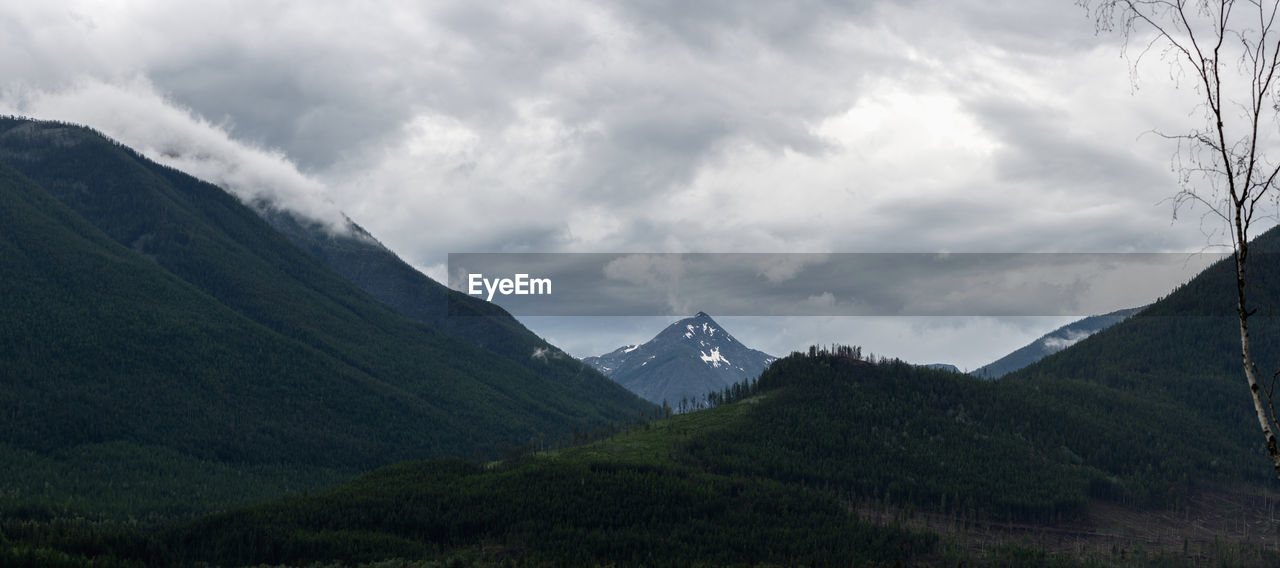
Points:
(719, 126)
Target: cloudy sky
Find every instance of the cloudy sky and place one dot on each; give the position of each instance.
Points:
(657, 126)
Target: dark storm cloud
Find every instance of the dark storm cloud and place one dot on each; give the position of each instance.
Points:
(654, 126)
(1025, 27)
(713, 25)
(323, 83)
(659, 108)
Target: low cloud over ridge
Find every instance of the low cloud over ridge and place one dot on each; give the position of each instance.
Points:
(136, 115)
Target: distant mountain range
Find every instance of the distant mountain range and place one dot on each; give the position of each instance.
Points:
(1051, 343)
(687, 360)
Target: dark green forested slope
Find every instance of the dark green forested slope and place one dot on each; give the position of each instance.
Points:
(99, 342)
(763, 479)
(644, 497)
(1145, 415)
(144, 307)
(782, 474)
(1181, 354)
(1044, 346)
(361, 259)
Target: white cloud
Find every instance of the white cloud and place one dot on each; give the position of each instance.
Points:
(134, 114)
(1055, 344)
(451, 126)
(589, 126)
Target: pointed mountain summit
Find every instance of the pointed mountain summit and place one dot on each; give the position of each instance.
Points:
(688, 359)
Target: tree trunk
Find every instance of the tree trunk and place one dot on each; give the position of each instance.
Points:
(1250, 370)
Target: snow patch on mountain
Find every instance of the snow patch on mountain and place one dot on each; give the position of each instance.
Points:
(688, 359)
(715, 358)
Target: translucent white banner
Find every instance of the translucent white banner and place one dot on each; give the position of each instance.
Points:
(803, 284)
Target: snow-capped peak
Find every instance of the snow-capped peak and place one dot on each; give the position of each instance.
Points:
(666, 367)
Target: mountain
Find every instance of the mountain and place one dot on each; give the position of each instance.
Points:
(156, 329)
(687, 360)
(378, 271)
(1051, 343)
(152, 318)
(826, 460)
(1143, 428)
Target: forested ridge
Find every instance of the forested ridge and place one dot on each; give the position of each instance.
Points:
(777, 471)
(363, 261)
(165, 350)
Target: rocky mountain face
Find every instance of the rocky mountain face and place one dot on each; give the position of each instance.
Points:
(687, 360)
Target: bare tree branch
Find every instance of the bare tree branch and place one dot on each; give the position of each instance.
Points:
(1222, 165)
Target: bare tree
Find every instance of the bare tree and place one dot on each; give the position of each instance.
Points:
(1230, 51)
